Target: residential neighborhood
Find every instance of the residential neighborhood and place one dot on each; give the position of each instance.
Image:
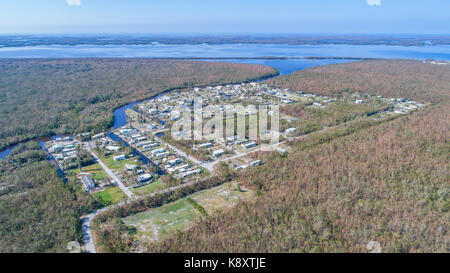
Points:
(145, 152)
(147, 155)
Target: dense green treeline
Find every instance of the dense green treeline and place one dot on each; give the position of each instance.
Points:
(38, 212)
(40, 97)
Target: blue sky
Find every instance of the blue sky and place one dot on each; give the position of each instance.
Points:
(229, 16)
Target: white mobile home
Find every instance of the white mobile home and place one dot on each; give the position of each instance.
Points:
(163, 155)
(112, 148)
(98, 136)
(205, 145)
(120, 157)
(238, 168)
(249, 145)
(87, 182)
(175, 161)
(192, 173)
(158, 151)
(144, 143)
(256, 163)
(130, 167)
(291, 130)
(144, 178)
(218, 153)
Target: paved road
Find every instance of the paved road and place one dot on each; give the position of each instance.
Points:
(112, 175)
(86, 220)
(267, 147)
(196, 161)
(88, 241)
(210, 166)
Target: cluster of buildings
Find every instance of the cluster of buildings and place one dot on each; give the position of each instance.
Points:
(161, 155)
(63, 149)
(438, 62)
(168, 108)
(398, 105)
(251, 164)
(87, 182)
(404, 106)
(160, 112)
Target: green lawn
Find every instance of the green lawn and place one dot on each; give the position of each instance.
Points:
(117, 165)
(224, 196)
(111, 196)
(150, 188)
(160, 222)
(132, 114)
(157, 223)
(95, 170)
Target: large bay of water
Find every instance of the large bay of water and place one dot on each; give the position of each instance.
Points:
(441, 52)
(285, 66)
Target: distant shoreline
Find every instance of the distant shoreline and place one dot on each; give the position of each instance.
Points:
(420, 44)
(270, 58)
(209, 58)
(275, 39)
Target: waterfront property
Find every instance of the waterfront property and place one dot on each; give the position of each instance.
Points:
(120, 157)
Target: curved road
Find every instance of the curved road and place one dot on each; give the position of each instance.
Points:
(88, 241)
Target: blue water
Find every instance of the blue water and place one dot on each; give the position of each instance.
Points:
(40, 140)
(8, 151)
(142, 157)
(285, 66)
(441, 52)
(120, 119)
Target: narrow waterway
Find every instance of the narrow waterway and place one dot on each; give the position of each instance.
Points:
(284, 66)
(7, 151)
(144, 159)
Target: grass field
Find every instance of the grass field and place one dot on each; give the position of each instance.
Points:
(333, 113)
(150, 188)
(221, 197)
(160, 222)
(96, 172)
(117, 165)
(111, 196)
(132, 114)
(135, 116)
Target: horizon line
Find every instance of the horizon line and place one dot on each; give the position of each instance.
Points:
(222, 33)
